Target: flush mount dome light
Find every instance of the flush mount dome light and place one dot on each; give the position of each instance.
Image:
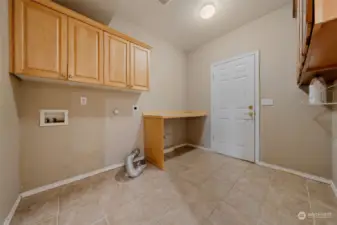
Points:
(207, 11)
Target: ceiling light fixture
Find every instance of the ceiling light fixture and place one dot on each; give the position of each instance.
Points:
(207, 11)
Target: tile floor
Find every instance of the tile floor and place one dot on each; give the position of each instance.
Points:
(197, 188)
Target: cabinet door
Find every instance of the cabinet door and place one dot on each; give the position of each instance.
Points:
(40, 41)
(85, 53)
(116, 61)
(140, 67)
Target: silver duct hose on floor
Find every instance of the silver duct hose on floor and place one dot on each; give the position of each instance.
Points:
(134, 169)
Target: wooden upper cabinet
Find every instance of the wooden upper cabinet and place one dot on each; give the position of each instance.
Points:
(116, 61)
(50, 41)
(140, 67)
(40, 41)
(85, 53)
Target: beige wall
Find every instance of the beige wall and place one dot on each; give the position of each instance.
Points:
(334, 140)
(95, 138)
(334, 147)
(293, 135)
(9, 128)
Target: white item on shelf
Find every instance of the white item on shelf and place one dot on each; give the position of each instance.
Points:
(317, 92)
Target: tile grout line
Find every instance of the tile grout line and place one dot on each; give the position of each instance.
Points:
(106, 220)
(58, 211)
(307, 187)
(243, 172)
(99, 220)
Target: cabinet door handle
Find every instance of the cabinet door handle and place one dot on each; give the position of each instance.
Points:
(70, 76)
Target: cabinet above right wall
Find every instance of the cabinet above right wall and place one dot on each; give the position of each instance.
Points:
(317, 22)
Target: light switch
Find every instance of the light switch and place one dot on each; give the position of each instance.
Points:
(267, 102)
(83, 100)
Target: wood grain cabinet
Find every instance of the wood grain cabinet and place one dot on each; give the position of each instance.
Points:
(140, 67)
(85, 53)
(317, 20)
(40, 41)
(116, 61)
(56, 43)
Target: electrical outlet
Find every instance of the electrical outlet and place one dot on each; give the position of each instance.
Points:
(83, 100)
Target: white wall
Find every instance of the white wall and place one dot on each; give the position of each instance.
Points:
(292, 133)
(9, 129)
(95, 137)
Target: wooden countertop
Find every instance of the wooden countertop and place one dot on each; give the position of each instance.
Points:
(174, 114)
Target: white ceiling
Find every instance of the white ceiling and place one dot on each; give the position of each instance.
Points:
(178, 22)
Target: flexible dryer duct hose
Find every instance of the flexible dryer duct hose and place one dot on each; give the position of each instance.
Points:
(132, 170)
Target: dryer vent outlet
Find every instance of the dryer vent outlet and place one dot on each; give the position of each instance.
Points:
(164, 2)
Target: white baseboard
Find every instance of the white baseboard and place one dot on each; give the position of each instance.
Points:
(171, 149)
(12, 212)
(200, 147)
(291, 171)
(295, 172)
(72, 179)
(334, 188)
(84, 176)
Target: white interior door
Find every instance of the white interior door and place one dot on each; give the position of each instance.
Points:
(233, 108)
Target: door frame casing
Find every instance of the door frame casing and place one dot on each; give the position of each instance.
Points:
(256, 55)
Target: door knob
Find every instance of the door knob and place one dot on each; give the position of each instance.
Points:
(251, 114)
(250, 107)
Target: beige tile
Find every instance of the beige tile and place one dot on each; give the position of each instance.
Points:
(230, 171)
(257, 172)
(49, 221)
(244, 204)
(196, 175)
(202, 209)
(189, 158)
(179, 216)
(290, 203)
(135, 212)
(289, 183)
(273, 215)
(21, 220)
(39, 198)
(286, 220)
(323, 193)
(227, 214)
(209, 161)
(214, 190)
(102, 221)
(114, 197)
(198, 187)
(173, 168)
(79, 193)
(256, 188)
(186, 190)
(324, 213)
(38, 213)
(85, 214)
